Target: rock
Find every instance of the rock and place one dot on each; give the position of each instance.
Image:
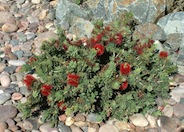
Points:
(177, 94)
(94, 118)
(93, 127)
(10, 122)
(44, 36)
(36, 1)
(26, 47)
(47, 128)
(76, 129)
(18, 53)
(168, 111)
(7, 112)
(152, 120)
(5, 81)
(122, 126)
(10, 69)
(69, 121)
(139, 129)
(6, 17)
(16, 96)
(151, 130)
(4, 97)
(79, 117)
(2, 66)
(33, 27)
(12, 56)
(42, 14)
(24, 91)
(9, 28)
(63, 128)
(108, 128)
(168, 124)
(179, 110)
(139, 120)
(23, 100)
(178, 78)
(62, 117)
(171, 101)
(149, 30)
(80, 124)
(16, 62)
(27, 125)
(82, 28)
(172, 23)
(19, 76)
(3, 126)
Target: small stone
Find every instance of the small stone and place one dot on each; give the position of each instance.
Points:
(7, 112)
(152, 130)
(13, 128)
(179, 110)
(168, 111)
(42, 14)
(2, 66)
(69, 121)
(18, 53)
(14, 42)
(9, 28)
(23, 100)
(16, 62)
(25, 47)
(108, 128)
(152, 120)
(19, 76)
(5, 81)
(76, 129)
(63, 128)
(46, 127)
(27, 125)
(10, 69)
(6, 17)
(80, 124)
(93, 127)
(24, 91)
(168, 124)
(62, 117)
(16, 96)
(139, 120)
(3, 126)
(80, 117)
(122, 126)
(12, 56)
(10, 122)
(94, 118)
(171, 101)
(35, 1)
(4, 97)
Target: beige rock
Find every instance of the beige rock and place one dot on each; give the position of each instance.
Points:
(35, 1)
(81, 124)
(69, 121)
(8, 28)
(122, 126)
(5, 81)
(42, 14)
(16, 96)
(6, 17)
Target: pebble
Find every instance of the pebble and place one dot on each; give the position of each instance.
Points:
(4, 97)
(6, 17)
(8, 28)
(80, 124)
(167, 123)
(3, 126)
(139, 120)
(168, 111)
(16, 62)
(46, 127)
(5, 81)
(35, 1)
(76, 129)
(62, 117)
(122, 125)
(16, 96)
(27, 125)
(63, 128)
(69, 121)
(152, 121)
(7, 112)
(18, 53)
(80, 117)
(10, 122)
(94, 118)
(10, 69)
(108, 128)
(179, 110)
(2, 66)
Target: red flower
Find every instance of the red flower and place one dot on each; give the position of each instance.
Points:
(29, 80)
(118, 39)
(73, 79)
(163, 54)
(31, 60)
(46, 87)
(59, 104)
(124, 85)
(46, 90)
(65, 47)
(139, 49)
(100, 49)
(150, 42)
(125, 68)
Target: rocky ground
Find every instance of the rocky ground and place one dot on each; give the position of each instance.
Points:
(24, 25)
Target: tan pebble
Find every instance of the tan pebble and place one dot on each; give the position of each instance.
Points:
(3, 126)
(12, 56)
(16, 96)
(80, 117)
(62, 117)
(8, 28)
(122, 126)
(7, 50)
(81, 124)
(69, 121)
(13, 128)
(42, 14)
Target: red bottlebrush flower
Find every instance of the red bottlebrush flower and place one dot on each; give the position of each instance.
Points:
(94, 41)
(100, 49)
(46, 87)
(73, 79)
(59, 104)
(124, 85)
(31, 60)
(150, 42)
(29, 80)
(45, 92)
(125, 68)
(118, 39)
(65, 47)
(163, 54)
(139, 49)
